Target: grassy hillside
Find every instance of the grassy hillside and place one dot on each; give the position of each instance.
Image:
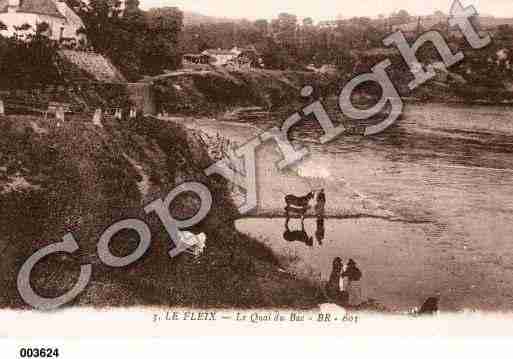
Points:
(218, 89)
(80, 177)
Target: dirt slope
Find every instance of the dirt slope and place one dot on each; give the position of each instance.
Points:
(80, 177)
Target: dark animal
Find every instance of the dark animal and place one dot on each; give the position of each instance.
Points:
(294, 201)
(429, 307)
(297, 236)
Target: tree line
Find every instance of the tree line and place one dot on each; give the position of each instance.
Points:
(149, 42)
(286, 42)
(143, 43)
(138, 42)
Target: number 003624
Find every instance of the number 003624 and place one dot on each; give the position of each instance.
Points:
(39, 353)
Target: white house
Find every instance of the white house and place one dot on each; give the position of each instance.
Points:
(238, 57)
(221, 57)
(62, 20)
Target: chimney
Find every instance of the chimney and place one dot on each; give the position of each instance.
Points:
(61, 6)
(131, 5)
(13, 5)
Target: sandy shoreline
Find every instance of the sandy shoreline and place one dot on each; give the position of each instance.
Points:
(273, 184)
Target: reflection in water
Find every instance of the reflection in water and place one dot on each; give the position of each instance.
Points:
(395, 271)
(302, 236)
(297, 236)
(320, 231)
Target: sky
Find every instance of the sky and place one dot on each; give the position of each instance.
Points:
(326, 9)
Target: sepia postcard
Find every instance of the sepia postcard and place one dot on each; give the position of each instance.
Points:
(174, 168)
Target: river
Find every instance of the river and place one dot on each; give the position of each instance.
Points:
(424, 208)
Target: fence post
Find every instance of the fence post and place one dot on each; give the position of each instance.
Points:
(59, 113)
(97, 117)
(118, 115)
(133, 113)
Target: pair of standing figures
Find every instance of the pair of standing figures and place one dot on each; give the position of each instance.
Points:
(343, 286)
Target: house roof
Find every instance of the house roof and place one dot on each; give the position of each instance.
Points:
(42, 7)
(218, 52)
(196, 55)
(3, 5)
(72, 17)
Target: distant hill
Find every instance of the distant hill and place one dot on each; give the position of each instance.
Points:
(194, 18)
(490, 21)
(428, 22)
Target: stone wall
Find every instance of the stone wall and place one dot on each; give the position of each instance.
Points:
(82, 98)
(95, 65)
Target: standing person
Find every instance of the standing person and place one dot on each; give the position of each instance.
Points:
(321, 203)
(350, 283)
(333, 290)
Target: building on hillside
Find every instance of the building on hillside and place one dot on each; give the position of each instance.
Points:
(62, 20)
(220, 57)
(198, 59)
(240, 62)
(328, 24)
(125, 6)
(236, 57)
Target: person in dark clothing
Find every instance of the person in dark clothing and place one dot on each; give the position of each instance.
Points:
(351, 283)
(321, 203)
(352, 271)
(430, 306)
(333, 290)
